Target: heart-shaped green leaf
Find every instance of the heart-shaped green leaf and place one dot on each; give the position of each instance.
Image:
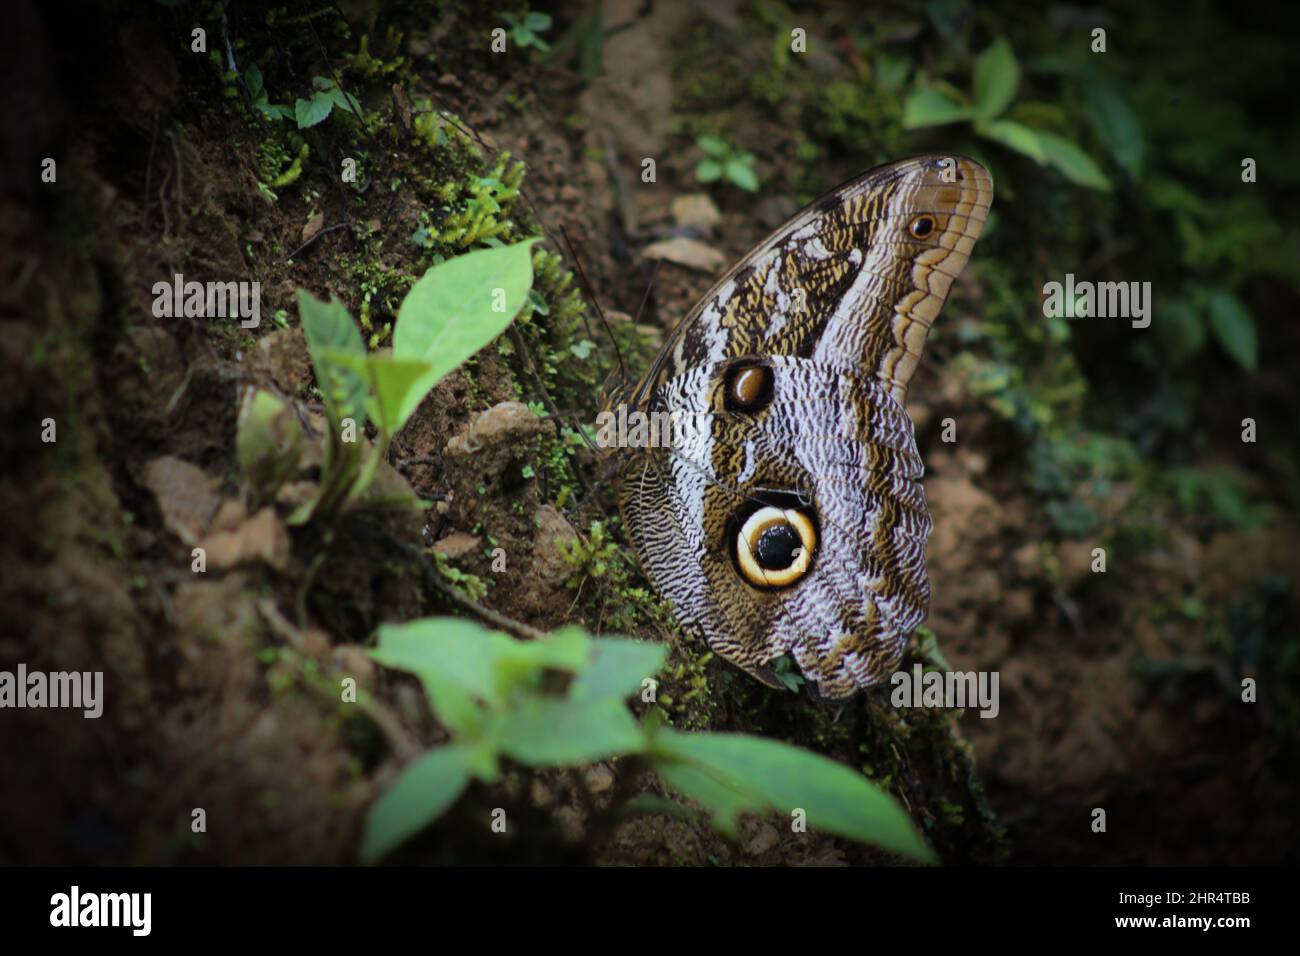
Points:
(997, 74)
(457, 308)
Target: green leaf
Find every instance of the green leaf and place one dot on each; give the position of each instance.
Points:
(329, 328)
(1234, 327)
(724, 804)
(616, 668)
(708, 170)
(395, 380)
(457, 650)
(1116, 125)
(836, 798)
(1170, 194)
(253, 80)
(330, 90)
(996, 77)
(426, 788)
(1077, 165)
(567, 649)
(345, 101)
(452, 704)
(268, 441)
(448, 315)
(649, 803)
(1015, 136)
(392, 380)
(928, 107)
(713, 145)
(312, 111)
(272, 110)
(554, 732)
(1181, 329)
(482, 664)
(892, 70)
(742, 174)
(537, 22)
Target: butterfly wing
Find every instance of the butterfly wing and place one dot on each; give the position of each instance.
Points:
(848, 279)
(830, 444)
(816, 464)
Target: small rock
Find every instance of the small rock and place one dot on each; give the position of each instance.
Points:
(1028, 559)
(1018, 604)
(212, 609)
(261, 538)
(540, 793)
(315, 644)
(690, 253)
(504, 424)
(294, 494)
(314, 225)
(187, 496)
(763, 838)
(553, 532)
(598, 778)
(696, 211)
(976, 463)
(457, 545)
(353, 661)
(230, 515)
(571, 823)
(283, 358)
(1075, 563)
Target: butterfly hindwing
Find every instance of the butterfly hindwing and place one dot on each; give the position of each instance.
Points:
(830, 443)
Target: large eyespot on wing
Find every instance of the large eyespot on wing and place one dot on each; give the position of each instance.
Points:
(773, 542)
(856, 278)
(829, 458)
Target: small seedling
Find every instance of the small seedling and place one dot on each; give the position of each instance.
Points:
(994, 81)
(723, 162)
(448, 315)
(525, 27)
(491, 692)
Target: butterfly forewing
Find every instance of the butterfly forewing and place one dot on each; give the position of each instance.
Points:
(847, 279)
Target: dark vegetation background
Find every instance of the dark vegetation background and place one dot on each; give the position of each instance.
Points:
(1119, 690)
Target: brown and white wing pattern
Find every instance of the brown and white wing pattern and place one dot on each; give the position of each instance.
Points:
(856, 277)
(788, 517)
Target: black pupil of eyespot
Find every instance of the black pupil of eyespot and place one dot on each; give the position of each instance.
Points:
(923, 226)
(776, 546)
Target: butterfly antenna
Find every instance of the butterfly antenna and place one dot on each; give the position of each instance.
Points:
(650, 287)
(586, 286)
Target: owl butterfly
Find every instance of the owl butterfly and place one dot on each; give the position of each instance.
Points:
(787, 515)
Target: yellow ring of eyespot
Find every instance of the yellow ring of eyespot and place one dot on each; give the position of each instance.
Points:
(931, 226)
(747, 543)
